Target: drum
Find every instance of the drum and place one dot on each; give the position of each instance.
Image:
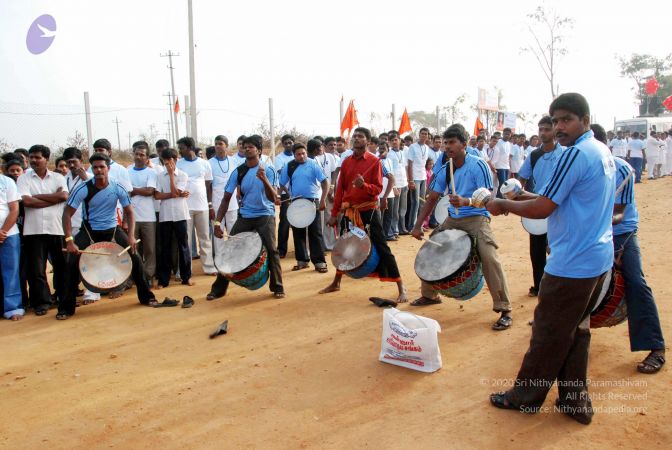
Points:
(441, 209)
(301, 213)
(355, 256)
(535, 226)
(243, 260)
(104, 273)
(454, 268)
(610, 308)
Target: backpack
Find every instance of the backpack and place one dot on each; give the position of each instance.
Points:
(534, 157)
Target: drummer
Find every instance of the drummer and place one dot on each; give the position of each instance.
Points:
(471, 173)
(534, 174)
(256, 184)
(304, 178)
(357, 189)
(99, 198)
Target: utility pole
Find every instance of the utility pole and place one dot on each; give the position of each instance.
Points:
(170, 130)
(129, 141)
(170, 116)
(192, 75)
(394, 117)
(341, 115)
(187, 114)
(272, 127)
(116, 121)
(170, 55)
(87, 111)
(438, 120)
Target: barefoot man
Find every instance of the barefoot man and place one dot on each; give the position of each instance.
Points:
(359, 184)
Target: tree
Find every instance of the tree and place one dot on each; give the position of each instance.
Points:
(150, 136)
(5, 146)
(547, 29)
(641, 67)
(454, 113)
(78, 141)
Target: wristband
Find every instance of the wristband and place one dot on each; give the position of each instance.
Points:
(69, 238)
(470, 202)
(217, 223)
(210, 204)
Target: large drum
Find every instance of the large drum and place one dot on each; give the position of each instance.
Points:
(243, 260)
(301, 213)
(610, 308)
(441, 209)
(355, 255)
(454, 268)
(535, 226)
(103, 273)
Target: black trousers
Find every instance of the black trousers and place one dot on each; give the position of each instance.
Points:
(82, 241)
(538, 246)
(314, 231)
(37, 247)
(283, 227)
(167, 230)
(265, 226)
(387, 268)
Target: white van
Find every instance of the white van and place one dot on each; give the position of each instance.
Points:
(644, 124)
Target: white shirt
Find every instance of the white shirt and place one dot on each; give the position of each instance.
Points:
(501, 156)
(388, 166)
(399, 163)
(221, 172)
(343, 157)
(42, 220)
(280, 160)
(173, 209)
(328, 163)
(418, 155)
(652, 147)
(158, 169)
(199, 171)
(143, 205)
(72, 183)
(8, 194)
(619, 147)
(434, 154)
(516, 158)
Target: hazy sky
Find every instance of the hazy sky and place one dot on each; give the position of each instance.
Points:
(304, 54)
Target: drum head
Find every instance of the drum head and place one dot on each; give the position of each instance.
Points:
(350, 252)
(434, 263)
(441, 209)
(238, 252)
(301, 213)
(103, 273)
(535, 226)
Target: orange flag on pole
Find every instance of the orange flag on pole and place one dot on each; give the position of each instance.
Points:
(478, 126)
(405, 125)
(177, 105)
(349, 119)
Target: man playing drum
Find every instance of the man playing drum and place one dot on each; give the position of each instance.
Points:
(471, 173)
(578, 201)
(99, 198)
(359, 184)
(257, 187)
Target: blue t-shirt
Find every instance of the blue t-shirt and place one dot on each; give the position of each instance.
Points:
(579, 230)
(473, 174)
(626, 197)
(254, 202)
(306, 179)
(473, 151)
(440, 162)
(543, 168)
(102, 210)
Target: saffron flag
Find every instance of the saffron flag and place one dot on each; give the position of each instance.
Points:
(667, 103)
(349, 119)
(478, 126)
(405, 125)
(651, 86)
(177, 105)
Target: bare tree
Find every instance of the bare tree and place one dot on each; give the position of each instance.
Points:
(5, 146)
(150, 136)
(454, 112)
(547, 29)
(78, 141)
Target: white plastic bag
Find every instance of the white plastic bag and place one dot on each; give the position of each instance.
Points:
(410, 341)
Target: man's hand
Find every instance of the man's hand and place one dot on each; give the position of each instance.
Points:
(358, 182)
(261, 174)
(72, 248)
(218, 231)
(3, 236)
(323, 205)
(134, 245)
(396, 191)
(411, 185)
(81, 173)
(495, 206)
(383, 203)
(332, 221)
(458, 201)
(417, 232)
(170, 166)
(182, 193)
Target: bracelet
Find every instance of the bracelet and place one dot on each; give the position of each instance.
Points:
(217, 223)
(69, 238)
(470, 202)
(209, 203)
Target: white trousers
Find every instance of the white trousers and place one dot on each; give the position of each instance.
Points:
(200, 220)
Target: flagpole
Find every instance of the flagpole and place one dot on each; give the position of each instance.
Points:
(394, 116)
(270, 120)
(341, 113)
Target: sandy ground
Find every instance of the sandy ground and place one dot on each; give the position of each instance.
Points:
(303, 372)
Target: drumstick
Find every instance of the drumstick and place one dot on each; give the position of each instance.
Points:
(89, 252)
(432, 242)
(126, 249)
(291, 198)
(452, 184)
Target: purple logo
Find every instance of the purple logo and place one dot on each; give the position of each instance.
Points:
(41, 34)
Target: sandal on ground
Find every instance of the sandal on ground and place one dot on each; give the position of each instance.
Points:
(212, 296)
(166, 302)
(188, 302)
(533, 292)
(88, 301)
(322, 269)
(41, 310)
(501, 400)
(279, 294)
(222, 328)
(652, 363)
(299, 266)
(425, 301)
(502, 323)
(382, 302)
(62, 316)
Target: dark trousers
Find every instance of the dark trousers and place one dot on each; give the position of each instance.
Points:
(163, 269)
(265, 226)
(638, 165)
(643, 322)
(389, 216)
(538, 245)
(283, 227)
(387, 269)
(82, 241)
(314, 241)
(560, 342)
(502, 176)
(37, 247)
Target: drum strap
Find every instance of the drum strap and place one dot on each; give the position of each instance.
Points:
(352, 211)
(291, 168)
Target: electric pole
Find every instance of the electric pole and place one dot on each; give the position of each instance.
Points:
(170, 55)
(116, 121)
(129, 141)
(170, 117)
(192, 75)
(187, 118)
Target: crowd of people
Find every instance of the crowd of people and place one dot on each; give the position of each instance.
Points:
(173, 205)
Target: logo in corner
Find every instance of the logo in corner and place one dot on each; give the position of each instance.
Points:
(402, 331)
(41, 34)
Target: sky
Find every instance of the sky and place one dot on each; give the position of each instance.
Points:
(305, 55)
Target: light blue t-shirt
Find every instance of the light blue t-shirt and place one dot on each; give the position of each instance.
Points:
(254, 202)
(101, 211)
(306, 179)
(440, 162)
(626, 197)
(579, 230)
(473, 174)
(543, 168)
(473, 151)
